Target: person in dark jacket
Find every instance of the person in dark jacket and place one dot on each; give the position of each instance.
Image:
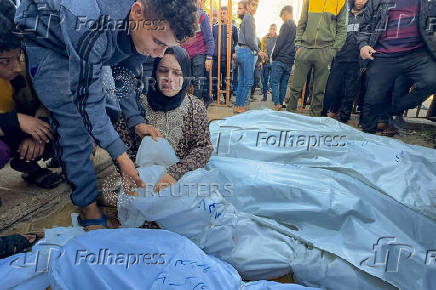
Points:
(24, 129)
(397, 37)
(283, 57)
(344, 76)
(68, 49)
(215, 31)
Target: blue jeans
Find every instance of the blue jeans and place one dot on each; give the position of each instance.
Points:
(279, 81)
(245, 75)
(266, 77)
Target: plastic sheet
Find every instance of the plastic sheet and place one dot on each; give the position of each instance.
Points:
(259, 248)
(334, 208)
(69, 258)
(404, 172)
(144, 259)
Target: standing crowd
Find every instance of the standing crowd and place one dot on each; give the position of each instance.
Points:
(74, 76)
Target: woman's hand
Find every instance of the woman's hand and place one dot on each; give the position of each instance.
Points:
(39, 129)
(143, 130)
(165, 181)
(31, 149)
(129, 174)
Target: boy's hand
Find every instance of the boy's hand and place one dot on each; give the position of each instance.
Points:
(39, 129)
(129, 174)
(31, 149)
(208, 64)
(143, 130)
(165, 181)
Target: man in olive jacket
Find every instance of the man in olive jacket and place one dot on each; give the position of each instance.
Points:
(321, 33)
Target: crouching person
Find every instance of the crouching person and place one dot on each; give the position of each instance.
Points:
(67, 49)
(397, 38)
(24, 133)
(172, 114)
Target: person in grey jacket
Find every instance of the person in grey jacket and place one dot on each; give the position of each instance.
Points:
(68, 43)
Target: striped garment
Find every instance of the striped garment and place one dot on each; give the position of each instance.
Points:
(402, 30)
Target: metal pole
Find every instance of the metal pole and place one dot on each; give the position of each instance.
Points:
(229, 50)
(210, 72)
(218, 97)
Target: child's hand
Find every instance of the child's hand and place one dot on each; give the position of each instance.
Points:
(39, 129)
(31, 149)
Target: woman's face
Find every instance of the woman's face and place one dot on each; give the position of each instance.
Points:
(169, 76)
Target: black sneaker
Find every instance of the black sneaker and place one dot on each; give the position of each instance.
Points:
(398, 122)
(283, 106)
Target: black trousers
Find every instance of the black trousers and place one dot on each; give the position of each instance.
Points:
(418, 66)
(223, 76)
(341, 89)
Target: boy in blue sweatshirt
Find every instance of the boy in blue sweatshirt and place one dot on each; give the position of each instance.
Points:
(283, 58)
(68, 43)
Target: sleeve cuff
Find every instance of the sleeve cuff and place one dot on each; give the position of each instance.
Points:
(133, 121)
(362, 44)
(116, 149)
(172, 171)
(209, 57)
(9, 123)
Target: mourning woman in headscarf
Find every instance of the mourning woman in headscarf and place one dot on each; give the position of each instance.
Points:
(178, 117)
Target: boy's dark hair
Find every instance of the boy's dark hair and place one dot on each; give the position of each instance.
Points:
(181, 15)
(224, 8)
(286, 9)
(8, 38)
